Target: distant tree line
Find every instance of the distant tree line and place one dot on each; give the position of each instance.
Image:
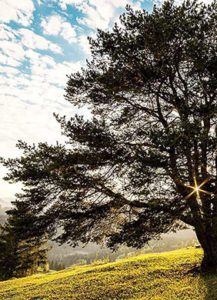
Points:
(57, 262)
(56, 265)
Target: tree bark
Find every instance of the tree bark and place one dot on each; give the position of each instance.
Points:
(209, 261)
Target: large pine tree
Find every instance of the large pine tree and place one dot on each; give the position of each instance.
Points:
(145, 161)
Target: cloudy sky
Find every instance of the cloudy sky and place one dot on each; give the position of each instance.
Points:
(40, 42)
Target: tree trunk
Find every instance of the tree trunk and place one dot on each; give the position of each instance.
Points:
(209, 262)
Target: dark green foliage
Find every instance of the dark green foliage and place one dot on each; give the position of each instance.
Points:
(123, 176)
(22, 244)
(7, 253)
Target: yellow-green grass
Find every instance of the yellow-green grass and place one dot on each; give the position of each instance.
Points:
(149, 276)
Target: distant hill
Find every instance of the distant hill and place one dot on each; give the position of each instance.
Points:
(159, 276)
(68, 256)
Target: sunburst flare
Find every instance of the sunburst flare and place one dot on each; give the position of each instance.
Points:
(197, 188)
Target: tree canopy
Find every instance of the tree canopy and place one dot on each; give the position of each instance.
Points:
(144, 162)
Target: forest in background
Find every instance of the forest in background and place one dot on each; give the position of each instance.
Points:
(61, 257)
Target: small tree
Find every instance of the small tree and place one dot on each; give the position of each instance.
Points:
(145, 162)
(22, 248)
(7, 253)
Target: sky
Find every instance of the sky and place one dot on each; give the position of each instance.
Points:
(42, 41)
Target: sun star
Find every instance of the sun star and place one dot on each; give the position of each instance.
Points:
(197, 188)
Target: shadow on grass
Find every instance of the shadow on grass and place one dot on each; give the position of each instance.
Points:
(210, 284)
(207, 282)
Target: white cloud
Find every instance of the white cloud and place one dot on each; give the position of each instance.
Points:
(102, 13)
(34, 84)
(12, 51)
(8, 70)
(51, 25)
(27, 103)
(43, 84)
(98, 13)
(34, 41)
(18, 11)
(56, 25)
(84, 43)
(31, 123)
(34, 123)
(10, 61)
(63, 3)
(68, 32)
(94, 19)
(45, 69)
(6, 32)
(14, 43)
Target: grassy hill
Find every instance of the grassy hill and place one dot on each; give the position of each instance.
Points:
(150, 276)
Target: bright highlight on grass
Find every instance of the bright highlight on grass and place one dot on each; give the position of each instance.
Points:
(159, 276)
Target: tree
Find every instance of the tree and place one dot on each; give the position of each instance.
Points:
(22, 243)
(144, 162)
(7, 256)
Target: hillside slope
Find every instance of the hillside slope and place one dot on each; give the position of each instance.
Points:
(151, 276)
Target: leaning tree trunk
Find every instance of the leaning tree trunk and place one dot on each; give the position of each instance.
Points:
(209, 261)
